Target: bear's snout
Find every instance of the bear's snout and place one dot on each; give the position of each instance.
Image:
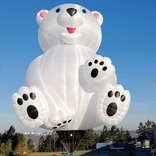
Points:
(71, 11)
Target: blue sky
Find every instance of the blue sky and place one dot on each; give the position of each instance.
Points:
(129, 39)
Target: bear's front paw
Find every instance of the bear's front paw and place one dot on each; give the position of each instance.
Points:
(113, 104)
(99, 71)
(30, 106)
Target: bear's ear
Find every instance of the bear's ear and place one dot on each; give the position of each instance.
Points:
(40, 15)
(98, 16)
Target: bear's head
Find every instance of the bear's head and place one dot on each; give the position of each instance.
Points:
(69, 24)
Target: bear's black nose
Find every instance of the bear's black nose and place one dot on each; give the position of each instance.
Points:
(71, 11)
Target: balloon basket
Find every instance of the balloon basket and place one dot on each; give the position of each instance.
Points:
(71, 139)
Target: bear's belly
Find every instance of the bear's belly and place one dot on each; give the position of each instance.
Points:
(60, 65)
(60, 72)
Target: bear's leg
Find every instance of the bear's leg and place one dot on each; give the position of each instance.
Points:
(57, 114)
(33, 110)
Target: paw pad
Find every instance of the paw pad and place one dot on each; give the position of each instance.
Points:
(31, 110)
(112, 107)
(25, 97)
(117, 95)
(95, 71)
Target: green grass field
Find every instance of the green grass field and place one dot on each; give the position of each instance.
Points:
(83, 153)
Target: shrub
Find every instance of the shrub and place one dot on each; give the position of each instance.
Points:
(153, 151)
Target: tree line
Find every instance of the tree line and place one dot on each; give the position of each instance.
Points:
(12, 142)
(145, 131)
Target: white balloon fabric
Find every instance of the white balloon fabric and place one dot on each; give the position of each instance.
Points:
(69, 87)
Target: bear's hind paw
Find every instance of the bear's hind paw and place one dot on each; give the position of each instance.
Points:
(113, 104)
(30, 106)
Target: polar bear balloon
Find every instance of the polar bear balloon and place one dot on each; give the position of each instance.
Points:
(70, 87)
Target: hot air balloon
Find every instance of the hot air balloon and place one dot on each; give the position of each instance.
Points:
(69, 88)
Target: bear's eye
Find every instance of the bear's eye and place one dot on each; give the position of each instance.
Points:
(84, 11)
(57, 10)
